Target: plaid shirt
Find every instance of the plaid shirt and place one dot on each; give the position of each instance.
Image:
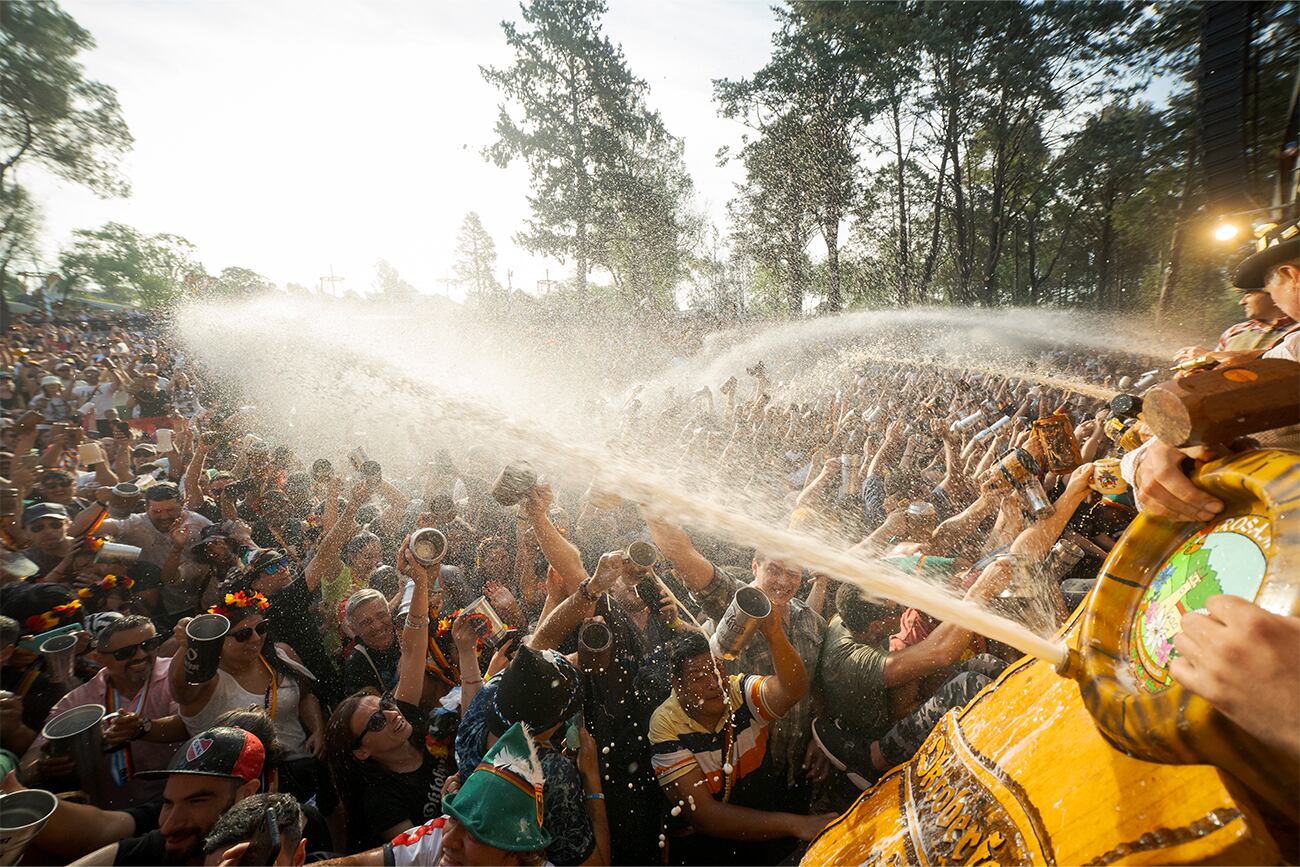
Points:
(1254, 334)
(788, 735)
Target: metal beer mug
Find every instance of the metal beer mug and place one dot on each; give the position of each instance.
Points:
(749, 606)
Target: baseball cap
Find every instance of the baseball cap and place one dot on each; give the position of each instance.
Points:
(222, 751)
(44, 510)
(51, 380)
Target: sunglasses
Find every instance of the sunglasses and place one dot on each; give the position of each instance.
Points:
(246, 633)
(377, 720)
(149, 645)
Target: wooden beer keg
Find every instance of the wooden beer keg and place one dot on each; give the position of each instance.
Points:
(1161, 569)
(1112, 763)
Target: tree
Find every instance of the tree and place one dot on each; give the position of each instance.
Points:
(19, 221)
(50, 114)
(129, 266)
(596, 152)
(476, 256)
(237, 282)
(390, 284)
(812, 104)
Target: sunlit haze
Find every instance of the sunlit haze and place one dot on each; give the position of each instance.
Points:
(294, 138)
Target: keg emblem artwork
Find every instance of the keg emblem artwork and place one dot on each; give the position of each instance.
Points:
(1226, 557)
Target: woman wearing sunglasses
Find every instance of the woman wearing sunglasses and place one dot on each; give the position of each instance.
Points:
(254, 670)
(132, 683)
(375, 744)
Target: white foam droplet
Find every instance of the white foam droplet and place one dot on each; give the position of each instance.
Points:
(676, 811)
(604, 751)
(726, 767)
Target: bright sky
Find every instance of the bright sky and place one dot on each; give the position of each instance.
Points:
(296, 137)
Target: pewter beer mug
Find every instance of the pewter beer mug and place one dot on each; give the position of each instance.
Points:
(749, 606)
(514, 483)
(428, 546)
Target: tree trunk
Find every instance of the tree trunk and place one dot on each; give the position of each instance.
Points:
(1169, 277)
(831, 233)
(904, 241)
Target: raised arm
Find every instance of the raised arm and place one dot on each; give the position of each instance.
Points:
(193, 490)
(579, 606)
(562, 554)
(415, 632)
(790, 684)
(326, 562)
(694, 570)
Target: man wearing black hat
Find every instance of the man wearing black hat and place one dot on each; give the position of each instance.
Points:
(1258, 690)
(1155, 469)
(211, 772)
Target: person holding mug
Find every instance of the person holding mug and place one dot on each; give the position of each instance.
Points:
(253, 670)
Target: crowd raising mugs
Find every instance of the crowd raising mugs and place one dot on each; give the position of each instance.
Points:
(242, 654)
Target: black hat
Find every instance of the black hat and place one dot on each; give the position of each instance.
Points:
(44, 510)
(1280, 244)
(218, 752)
(538, 688)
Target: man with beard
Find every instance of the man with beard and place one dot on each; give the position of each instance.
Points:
(212, 772)
(163, 533)
(133, 681)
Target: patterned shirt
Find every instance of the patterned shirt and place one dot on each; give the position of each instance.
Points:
(679, 743)
(1253, 334)
(790, 734)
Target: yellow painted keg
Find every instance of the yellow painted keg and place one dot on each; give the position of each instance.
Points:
(1114, 763)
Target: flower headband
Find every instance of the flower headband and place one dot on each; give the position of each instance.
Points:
(52, 618)
(240, 599)
(107, 584)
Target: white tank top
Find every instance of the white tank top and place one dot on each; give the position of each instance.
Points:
(229, 695)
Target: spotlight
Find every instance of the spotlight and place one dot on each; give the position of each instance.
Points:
(1226, 231)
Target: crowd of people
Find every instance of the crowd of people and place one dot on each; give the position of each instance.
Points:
(537, 689)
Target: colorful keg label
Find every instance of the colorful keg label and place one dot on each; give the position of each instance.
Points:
(1225, 557)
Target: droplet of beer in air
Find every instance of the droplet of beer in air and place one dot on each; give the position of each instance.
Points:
(676, 811)
(604, 751)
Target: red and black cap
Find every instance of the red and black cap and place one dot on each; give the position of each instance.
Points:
(223, 751)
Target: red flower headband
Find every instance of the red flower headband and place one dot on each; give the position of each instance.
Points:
(240, 599)
(109, 583)
(52, 618)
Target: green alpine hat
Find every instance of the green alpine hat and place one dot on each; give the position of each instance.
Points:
(501, 802)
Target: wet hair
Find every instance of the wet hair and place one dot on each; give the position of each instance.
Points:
(857, 612)
(353, 547)
(164, 491)
(386, 580)
(359, 598)
(244, 820)
(685, 648)
(130, 621)
(347, 772)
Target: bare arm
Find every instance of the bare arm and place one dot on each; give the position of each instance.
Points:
(193, 490)
(728, 821)
(192, 697)
(415, 633)
(326, 562)
(790, 684)
(677, 547)
(559, 551)
(572, 611)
